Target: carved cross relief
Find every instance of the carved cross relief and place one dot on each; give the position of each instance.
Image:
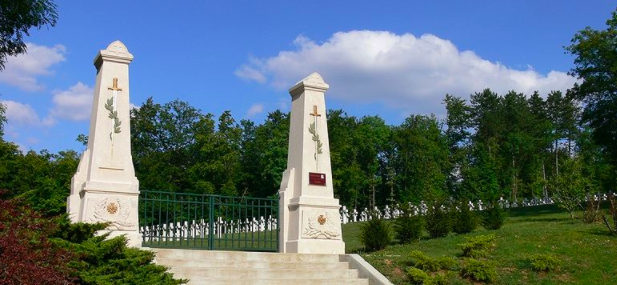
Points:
(111, 106)
(313, 131)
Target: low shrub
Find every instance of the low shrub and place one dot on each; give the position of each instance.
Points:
(110, 261)
(493, 217)
(479, 270)
(465, 220)
(478, 246)
(419, 277)
(438, 220)
(424, 262)
(408, 228)
(544, 262)
(447, 263)
(375, 235)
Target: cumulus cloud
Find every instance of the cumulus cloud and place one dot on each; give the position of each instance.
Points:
(20, 114)
(400, 71)
(255, 109)
(74, 104)
(22, 70)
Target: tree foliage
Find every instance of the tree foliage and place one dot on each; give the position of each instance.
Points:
(16, 19)
(595, 64)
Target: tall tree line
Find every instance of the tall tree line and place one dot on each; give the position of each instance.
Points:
(487, 147)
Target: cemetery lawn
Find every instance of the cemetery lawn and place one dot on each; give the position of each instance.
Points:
(587, 252)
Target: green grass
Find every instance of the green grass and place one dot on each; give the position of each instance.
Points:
(587, 251)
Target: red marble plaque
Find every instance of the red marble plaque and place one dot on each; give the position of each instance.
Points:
(317, 179)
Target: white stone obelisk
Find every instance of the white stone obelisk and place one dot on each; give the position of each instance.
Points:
(105, 188)
(309, 213)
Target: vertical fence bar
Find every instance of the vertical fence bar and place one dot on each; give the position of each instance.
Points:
(211, 224)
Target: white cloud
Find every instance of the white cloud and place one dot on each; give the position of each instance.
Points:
(73, 104)
(401, 71)
(20, 114)
(22, 70)
(133, 106)
(255, 109)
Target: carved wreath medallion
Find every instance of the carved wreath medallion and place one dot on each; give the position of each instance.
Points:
(115, 211)
(321, 224)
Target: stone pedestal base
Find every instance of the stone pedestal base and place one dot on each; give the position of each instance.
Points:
(316, 246)
(118, 209)
(315, 226)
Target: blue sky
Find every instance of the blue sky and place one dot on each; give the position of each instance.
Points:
(386, 58)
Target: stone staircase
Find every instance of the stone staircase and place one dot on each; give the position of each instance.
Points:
(255, 268)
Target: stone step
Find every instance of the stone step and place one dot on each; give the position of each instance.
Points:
(245, 256)
(280, 282)
(261, 274)
(215, 263)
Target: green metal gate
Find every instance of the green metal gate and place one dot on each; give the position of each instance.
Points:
(183, 220)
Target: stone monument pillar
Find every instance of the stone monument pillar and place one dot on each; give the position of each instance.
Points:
(105, 188)
(310, 219)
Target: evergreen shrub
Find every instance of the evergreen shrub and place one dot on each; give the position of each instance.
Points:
(408, 228)
(375, 235)
(465, 220)
(478, 246)
(494, 217)
(544, 262)
(479, 270)
(424, 262)
(438, 221)
(419, 277)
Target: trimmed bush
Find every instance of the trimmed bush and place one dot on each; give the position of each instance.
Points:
(447, 263)
(375, 235)
(417, 276)
(493, 217)
(465, 220)
(544, 262)
(479, 270)
(423, 261)
(478, 246)
(408, 229)
(438, 221)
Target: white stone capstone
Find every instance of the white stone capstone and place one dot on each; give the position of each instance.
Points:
(104, 188)
(309, 213)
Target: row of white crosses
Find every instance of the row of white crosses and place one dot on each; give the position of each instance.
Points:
(421, 209)
(201, 229)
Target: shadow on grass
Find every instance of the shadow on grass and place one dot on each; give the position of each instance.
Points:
(534, 211)
(539, 220)
(598, 232)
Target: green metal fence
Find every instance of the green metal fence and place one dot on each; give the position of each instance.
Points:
(183, 220)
